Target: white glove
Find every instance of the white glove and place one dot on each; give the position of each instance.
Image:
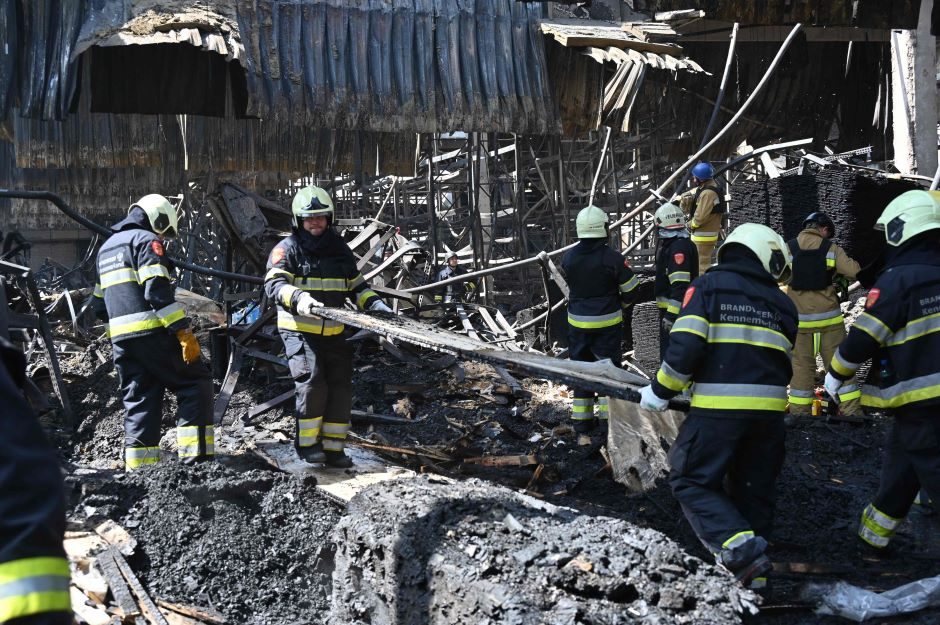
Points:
(380, 306)
(306, 304)
(832, 386)
(651, 401)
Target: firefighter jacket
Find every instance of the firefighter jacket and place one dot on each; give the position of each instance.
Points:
(34, 573)
(322, 266)
(676, 267)
(451, 290)
(706, 204)
(818, 308)
(732, 339)
(134, 293)
(601, 283)
(900, 329)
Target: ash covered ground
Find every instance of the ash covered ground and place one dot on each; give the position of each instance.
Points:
(256, 544)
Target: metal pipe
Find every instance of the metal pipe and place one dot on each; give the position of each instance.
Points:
(719, 99)
(98, 228)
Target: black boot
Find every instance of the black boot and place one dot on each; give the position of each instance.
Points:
(583, 426)
(338, 460)
(313, 454)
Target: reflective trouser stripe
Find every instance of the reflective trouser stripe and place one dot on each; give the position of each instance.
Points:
(876, 527)
(135, 322)
(758, 582)
(582, 408)
(817, 341)
(334, 436)
(801, 398)
(308, 431)
(136, 457)
(33, 586)
(603, 408)
(704, 237)
(187, 441)
(739, 396)
(738, 539)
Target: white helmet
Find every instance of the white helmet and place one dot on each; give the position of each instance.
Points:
(160, 213)
(591, 223)
(767, 245)
(669, 217)
(908, 215)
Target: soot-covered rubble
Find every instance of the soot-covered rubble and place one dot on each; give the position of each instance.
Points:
(433, 551)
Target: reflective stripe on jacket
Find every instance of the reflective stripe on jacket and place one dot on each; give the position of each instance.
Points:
(134, 293)
(601, 284)
(330, 279)
(676, 267)
(901, 325)
(732, 340)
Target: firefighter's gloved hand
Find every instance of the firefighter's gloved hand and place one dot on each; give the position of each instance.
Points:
(667, 324)
(189, 344)
(380, 306)
(651, 401)
(832, 386)
(306, 304)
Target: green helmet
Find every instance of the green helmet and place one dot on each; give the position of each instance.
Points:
(310, 202)
(160, 213)
(591, 223)
(769, 247)
(908, 215)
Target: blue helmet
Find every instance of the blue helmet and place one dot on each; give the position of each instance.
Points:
(703, 171)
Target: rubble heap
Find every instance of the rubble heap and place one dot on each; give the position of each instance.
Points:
(247, 542)
(431, 551)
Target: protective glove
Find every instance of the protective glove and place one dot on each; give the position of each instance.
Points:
(651, 401)
(189, 344)
(832, 386)
(380, 306)
(667, 324)
(306, 304)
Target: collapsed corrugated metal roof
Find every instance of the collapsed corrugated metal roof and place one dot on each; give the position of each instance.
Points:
(383, 65)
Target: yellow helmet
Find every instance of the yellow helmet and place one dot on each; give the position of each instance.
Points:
(908, 215)
(160, 213)
(669, 217)
(769, 247)
(591, 223)
(310, 202)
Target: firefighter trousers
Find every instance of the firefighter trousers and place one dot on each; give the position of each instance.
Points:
(750, 452)
(147, 366)
(911, 461)
(591, 347)
(803, 384)
(322, 370)
(705, 251)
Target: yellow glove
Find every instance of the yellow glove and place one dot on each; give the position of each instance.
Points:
(189, 344)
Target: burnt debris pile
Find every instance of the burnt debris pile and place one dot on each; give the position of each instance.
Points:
(426, 551)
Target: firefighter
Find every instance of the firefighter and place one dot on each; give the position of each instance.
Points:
(898, 330)
(314, 267)
(153, 347)
(706, 205)
(676, 267)
(817, 262)
(452, 292)
(34, 573)
(601, 286)
(732, 340)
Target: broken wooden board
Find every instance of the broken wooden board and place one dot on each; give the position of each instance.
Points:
(578, 33)
(117, 536)
(147, 606)
(503, 461)
(127, 607)
(341, 485)
(89, 614)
